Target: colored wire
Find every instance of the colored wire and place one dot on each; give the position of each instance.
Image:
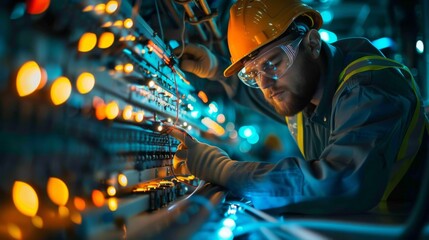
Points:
(182, 36)
(177, 99)
(159, 20)
(340, 227)
(296, 232)
(194, 198)
(136, 8)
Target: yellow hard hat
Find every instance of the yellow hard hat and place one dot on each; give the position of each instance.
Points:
(253, 24)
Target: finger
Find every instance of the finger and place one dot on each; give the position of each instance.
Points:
(197, 51)
(180, 134)
(190, 141)
(177, 161)
(167, 128)
(176, 133)
(181, 146)
(189, 65)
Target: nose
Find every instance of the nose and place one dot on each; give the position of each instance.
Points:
(265, 82)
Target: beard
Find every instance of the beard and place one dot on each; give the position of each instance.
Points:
(289, 103)
(298, 88)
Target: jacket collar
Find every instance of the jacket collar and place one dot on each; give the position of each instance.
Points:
(334, 65)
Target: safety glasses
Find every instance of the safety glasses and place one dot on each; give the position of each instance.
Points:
(272, 63)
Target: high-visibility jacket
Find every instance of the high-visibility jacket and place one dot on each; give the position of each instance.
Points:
(356, 143)
(412, 140)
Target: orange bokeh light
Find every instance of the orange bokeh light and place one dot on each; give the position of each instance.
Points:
(37, 6)
(79, 203)
(97, 198)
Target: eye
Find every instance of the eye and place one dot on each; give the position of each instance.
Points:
(276, 59)
(272, 63)
(269, 66)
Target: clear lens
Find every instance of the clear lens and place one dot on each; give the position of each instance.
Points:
(273, 63)
(248, 77)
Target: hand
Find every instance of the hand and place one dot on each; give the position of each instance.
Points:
(179, 164)
(179, 160)
(204, 161)
(199, 60)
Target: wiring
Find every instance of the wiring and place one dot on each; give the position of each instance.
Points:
(299, 228)
(135, 10)
(296, 232)
(267, 232)
(370, 230)
(195, 198)
(255, 211)
(159, 20)
(177, 99)
(182, 36)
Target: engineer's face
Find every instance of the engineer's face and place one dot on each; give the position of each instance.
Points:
(292, 92)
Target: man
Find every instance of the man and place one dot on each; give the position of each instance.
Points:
(357, 117)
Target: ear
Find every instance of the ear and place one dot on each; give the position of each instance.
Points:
(313, 43)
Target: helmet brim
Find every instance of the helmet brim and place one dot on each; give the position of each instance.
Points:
(238, 64)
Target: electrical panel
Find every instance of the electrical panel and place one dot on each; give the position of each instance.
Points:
(86, 87)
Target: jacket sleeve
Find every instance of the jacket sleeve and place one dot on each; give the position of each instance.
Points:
(351, 174)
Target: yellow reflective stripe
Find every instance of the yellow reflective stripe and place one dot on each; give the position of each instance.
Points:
(397, 177)
(404, 145)
(359, 70)
(300, 132)
(367, 58)
(403, 149)
(343, 79)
